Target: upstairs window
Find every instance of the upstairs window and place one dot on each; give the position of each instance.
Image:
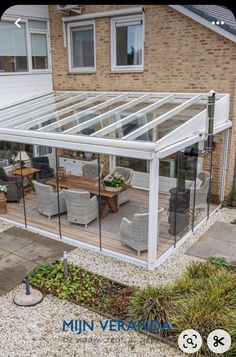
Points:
(13, 47)
(24, 49)
(81, 47)
(127, 43)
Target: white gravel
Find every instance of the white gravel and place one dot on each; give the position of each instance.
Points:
(37, 331)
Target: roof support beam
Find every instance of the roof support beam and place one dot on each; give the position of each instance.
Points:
(24, 119)
(106, 115)
(36, 101)
(78, 115)
(46, 117)
(132, 116)
(143, 129)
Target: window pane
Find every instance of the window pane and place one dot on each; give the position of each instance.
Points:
(13, 52)
(39, 51)
(39, 25)
(129, 45)
(82, 47)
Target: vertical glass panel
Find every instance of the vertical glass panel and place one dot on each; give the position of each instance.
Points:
(129, 44)
(78, 178)
(13, 50)
(41, 196)
(39, 51)
(124, 224)
(82, 39)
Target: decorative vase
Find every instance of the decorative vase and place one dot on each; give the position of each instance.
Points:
(113, 189)
(3, 203)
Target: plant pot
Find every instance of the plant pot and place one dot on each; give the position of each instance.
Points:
(113, 189)
(3, 203)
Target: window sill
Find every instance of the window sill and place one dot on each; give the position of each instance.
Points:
(82, 72)
(24, 73)
(127, 70)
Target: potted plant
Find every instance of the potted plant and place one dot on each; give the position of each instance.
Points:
(3, 201)
(113, 182)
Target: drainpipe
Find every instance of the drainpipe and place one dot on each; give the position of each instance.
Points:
(210, 120)
(209, 142)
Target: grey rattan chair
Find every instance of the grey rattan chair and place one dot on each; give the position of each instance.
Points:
(201, 192)
(135, 233)
(127, 174)
(47, 199)
(91, 170)
(14, 186)
(81, 208)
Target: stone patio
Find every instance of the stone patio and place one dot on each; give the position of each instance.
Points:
(21, 251)
(219, 240)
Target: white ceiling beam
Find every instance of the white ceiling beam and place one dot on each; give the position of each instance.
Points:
(33, 103)
(78, 115)
(25, 118)
(46, 117)
(132, 116)
(143, 129)
(106, 115)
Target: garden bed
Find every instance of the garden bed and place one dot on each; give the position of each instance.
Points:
(204, 298)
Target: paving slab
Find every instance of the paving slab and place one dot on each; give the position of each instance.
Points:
(21, 251)
(219, 240)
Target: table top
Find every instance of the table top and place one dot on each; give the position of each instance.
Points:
(26, 171)
(83, 182)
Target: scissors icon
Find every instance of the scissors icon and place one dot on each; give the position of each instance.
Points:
(218, 341)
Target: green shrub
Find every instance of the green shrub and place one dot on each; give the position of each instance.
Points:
(218, 262)
(151, 304)
(80, 284)
(199, 270)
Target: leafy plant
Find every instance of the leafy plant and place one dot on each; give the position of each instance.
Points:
(80, 284)
(3, 188)
(232, 197)
(218, 262)
(199, 270)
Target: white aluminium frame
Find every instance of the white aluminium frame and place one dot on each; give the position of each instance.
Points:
(70, 26)
(127, 20)
(28, 30)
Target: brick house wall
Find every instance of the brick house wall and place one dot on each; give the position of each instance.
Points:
(180, 55)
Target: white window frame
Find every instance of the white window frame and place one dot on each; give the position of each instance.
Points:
(125, 20)
(69, 47)
(30, 70)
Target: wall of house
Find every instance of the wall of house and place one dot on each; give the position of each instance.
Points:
(15, 86)
(180, 55)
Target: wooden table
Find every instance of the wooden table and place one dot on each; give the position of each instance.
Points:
(90, 185)
(28, 172)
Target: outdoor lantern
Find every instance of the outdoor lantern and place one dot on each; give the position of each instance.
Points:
(22, 156)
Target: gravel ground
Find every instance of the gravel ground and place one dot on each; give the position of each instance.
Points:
(138, 276)
(37, 331)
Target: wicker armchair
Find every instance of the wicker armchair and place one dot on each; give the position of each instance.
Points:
(81, 208)
(135, 233)
(201, 192)
(48, 200)
(14, 186)
(127, 174)
(91, 170)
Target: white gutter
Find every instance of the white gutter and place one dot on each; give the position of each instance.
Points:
(80, 139)
(129, 11)
(204, 22)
